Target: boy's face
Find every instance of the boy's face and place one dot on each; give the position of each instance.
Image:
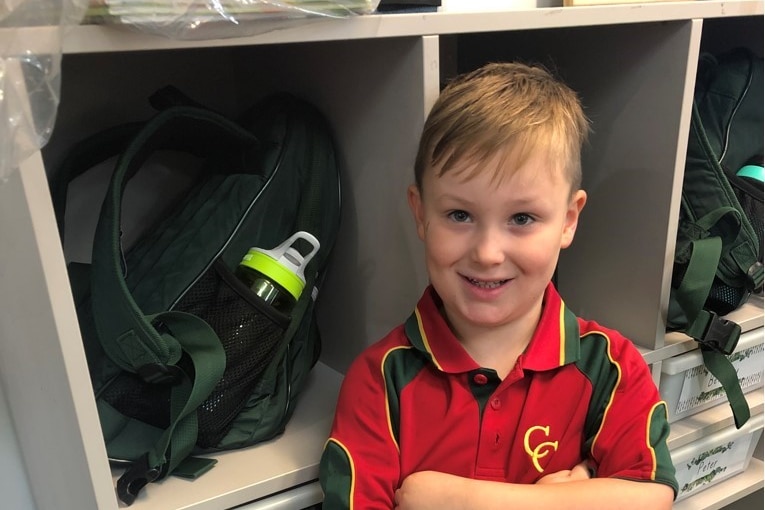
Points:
(492, 247)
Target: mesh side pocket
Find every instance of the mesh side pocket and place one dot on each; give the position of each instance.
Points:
(723, 298)
(135, 398)
(250, 332)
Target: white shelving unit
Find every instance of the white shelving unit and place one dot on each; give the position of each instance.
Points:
(375, 78)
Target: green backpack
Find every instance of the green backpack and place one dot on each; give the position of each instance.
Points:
(183, 357)
(718, 256)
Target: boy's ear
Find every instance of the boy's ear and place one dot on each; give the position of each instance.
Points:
(415, 204)
(575, 206)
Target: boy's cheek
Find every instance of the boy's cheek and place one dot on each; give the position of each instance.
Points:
(440, 252)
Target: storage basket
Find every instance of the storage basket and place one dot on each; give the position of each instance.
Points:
(688, 387)
(713, 458)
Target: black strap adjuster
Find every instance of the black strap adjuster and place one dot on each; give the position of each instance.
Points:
(720, 335)
(135, 478)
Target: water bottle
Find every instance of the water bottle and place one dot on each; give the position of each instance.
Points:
(278, 275)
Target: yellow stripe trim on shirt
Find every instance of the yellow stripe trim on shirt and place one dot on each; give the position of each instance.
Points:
(613, 392)
(425, 339)
(352, 465)
(385, 386)
(648, 434)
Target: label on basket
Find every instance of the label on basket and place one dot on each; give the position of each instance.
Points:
(700, 387)
(718, 462)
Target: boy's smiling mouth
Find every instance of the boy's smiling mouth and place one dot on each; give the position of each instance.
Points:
(486, 284)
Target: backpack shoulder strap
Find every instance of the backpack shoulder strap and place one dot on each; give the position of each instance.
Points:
(717, 337)
(171, 452)
(151, 346)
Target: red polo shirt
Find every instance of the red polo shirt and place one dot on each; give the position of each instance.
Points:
(417, 401)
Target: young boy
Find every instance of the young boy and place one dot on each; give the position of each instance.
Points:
(493, 394)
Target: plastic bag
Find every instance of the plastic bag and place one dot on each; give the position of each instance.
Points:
(30, 67)
(217, 19)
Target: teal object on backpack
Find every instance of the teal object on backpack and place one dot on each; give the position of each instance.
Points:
(718, 255)
(183, 357)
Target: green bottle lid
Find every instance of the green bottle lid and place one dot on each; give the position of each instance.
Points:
(284, 264)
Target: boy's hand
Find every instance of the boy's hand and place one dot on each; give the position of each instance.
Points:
(579, 472)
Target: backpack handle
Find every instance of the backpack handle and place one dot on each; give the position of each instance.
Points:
(83, 156)
(110, 142)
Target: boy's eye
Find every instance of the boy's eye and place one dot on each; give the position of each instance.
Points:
(521, 219)
(459, 216)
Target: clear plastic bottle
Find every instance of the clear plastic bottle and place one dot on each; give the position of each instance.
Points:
(278, 276)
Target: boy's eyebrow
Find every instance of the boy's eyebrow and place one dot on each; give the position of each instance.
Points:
(454, 199)
(452, 196)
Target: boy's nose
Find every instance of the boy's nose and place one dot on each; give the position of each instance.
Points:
(488, 247)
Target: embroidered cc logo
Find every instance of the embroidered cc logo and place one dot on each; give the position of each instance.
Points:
(542, 449)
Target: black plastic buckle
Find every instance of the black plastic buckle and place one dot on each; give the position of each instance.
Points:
(135, 478)
(721, 335)
(159, 373)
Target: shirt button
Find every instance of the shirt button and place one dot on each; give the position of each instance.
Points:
(496, 404)
(480, 379)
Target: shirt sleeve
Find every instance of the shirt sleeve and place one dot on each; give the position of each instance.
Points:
(631, 441)
(360, 463)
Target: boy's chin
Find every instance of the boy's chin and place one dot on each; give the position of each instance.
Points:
(483, 318)
(492, 315)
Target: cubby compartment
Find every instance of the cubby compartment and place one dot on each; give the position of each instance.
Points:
(375, 94)
(721, 34)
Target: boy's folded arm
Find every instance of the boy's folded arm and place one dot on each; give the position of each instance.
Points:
(438, 491)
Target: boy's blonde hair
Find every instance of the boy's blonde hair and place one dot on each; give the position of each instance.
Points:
(503, 109)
